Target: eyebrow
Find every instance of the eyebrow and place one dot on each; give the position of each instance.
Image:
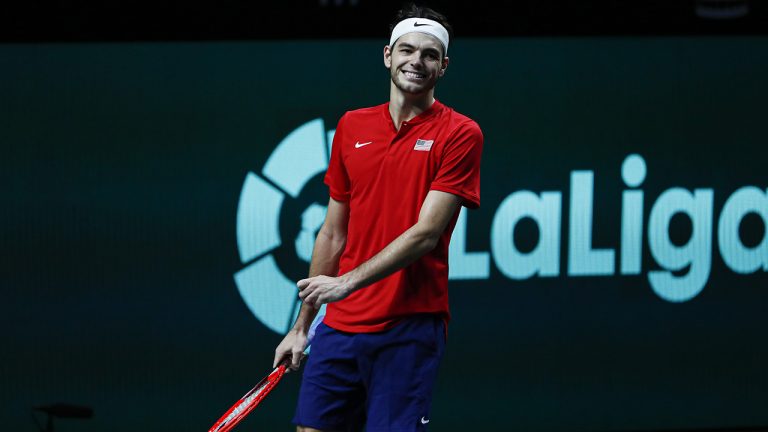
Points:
(407, 45)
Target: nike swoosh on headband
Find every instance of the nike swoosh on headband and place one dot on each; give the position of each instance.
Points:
(420, 25)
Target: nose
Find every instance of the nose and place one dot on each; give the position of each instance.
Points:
(417, 60)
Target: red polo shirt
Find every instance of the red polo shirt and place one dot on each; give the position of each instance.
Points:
(385, 174)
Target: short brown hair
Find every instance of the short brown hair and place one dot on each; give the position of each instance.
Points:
(411, 10)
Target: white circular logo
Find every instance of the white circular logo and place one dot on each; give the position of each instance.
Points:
(278, 216)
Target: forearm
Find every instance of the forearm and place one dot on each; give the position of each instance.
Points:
(325, 261)
(435, 215)
(404, 250)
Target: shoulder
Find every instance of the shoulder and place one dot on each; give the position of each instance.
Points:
(365, 114)
(461, 127)
(459, 122)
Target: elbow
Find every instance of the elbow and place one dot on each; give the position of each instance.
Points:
(335, 237)
(428, 239)
(431, 243)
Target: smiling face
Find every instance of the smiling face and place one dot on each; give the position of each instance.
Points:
(415, 63)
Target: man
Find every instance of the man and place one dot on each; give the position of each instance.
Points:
(398, 175)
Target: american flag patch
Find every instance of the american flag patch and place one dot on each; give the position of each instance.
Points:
(423, 145)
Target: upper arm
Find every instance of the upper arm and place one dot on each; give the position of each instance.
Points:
(437, 211)
(459, 171)
(336, 177)
(336, 219)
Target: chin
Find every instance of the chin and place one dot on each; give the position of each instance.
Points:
(414, 89)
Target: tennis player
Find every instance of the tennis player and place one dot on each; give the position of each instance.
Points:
(398, 175)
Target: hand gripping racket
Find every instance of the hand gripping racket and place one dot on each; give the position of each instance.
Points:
(250, 400)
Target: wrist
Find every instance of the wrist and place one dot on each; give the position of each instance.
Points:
(299, 329)
(350, 281)
(303, 322)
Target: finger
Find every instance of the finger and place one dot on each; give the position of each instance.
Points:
(278, 358)
(310, 300)
(307, 290)
(321, 299)
(296, 360)
(303, 283)
(306, 293)
(312, 296)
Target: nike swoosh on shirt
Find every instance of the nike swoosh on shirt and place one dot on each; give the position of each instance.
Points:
(424, 421)
(359, 144)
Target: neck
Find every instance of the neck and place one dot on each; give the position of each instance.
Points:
(403, 106)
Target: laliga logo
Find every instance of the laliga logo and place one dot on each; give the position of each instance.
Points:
(278, 216)
(282, 208)
(685, 268)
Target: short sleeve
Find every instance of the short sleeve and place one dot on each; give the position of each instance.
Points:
(459, 171)
(336, 176)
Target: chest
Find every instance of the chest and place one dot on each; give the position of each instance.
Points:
(382, 156)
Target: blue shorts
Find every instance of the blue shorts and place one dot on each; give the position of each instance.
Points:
(381, 380)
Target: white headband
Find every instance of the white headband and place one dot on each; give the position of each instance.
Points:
(420, 25)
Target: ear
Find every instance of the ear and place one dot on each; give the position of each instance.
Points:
(387, 56)
(444, 66)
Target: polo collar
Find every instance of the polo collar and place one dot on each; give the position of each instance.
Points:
(433, 110)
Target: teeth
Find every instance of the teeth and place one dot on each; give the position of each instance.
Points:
(414, 75)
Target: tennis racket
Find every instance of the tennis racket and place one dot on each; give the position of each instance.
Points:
(247, 403)
(253, 398)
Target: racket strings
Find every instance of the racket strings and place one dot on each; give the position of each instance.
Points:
(247, 401)
(250, 400)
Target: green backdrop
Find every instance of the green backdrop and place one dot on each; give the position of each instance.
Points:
(122, 172)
